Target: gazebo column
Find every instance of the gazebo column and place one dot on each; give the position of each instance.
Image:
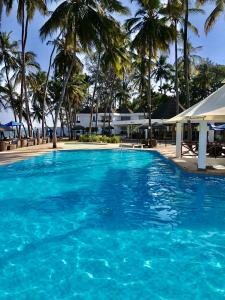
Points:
(202, 145)
(128, 131)
(179, 134)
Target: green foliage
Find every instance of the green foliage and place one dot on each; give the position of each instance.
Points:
(208, 78)
(99, 139)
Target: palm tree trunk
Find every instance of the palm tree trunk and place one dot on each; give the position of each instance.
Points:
(111, 102)
(176, 72)
(186, 59)
(23, 71)
(150, 93)
(45, 92)
(94, 92)
(186, 64)
(24, 41)
(59, 104)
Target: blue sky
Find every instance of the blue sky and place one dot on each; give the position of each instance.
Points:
(213, 44)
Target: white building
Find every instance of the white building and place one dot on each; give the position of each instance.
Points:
(124, 121)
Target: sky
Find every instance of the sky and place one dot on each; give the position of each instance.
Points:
(213, 45)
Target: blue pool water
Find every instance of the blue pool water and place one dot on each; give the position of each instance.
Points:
(110, 225)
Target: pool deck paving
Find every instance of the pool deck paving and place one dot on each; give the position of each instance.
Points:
(215, 166)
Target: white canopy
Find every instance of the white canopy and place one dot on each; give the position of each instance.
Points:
(211, 108)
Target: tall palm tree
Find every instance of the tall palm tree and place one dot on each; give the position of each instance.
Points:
(152, 34)
(83, 23)
(174, 10)
(25, 13)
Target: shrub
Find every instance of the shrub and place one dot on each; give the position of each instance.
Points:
(99, 138)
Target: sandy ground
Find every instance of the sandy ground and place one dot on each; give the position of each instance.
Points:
(189, 164)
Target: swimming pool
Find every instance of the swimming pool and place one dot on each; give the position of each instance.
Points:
(110, 224)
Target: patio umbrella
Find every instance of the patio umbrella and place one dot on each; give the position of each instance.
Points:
(16, 124)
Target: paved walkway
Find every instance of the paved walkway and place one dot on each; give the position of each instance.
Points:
(215, 166)
(189, 164)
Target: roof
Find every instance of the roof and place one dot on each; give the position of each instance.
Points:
(165, 110)
(212, 108)
(124, 110)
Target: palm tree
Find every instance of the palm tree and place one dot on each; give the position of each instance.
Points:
(37, 83)
(25, 13)
(152, 34)
(174, 10)
(114, 60)
(75, 94)
(163, 70)
(31, 66)
(83, 23)
(8, 58)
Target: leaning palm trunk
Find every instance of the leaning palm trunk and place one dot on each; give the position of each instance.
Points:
(46, 88)
(59, 104)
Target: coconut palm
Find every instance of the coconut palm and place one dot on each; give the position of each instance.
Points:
(37, 83)
(75, 94)
(8, 58)
(152, 34)
(83, 23)
(174, 10)
(163, 70)
(25, 13)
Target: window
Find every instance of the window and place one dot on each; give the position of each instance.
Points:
(78, 119)
(93, 119)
